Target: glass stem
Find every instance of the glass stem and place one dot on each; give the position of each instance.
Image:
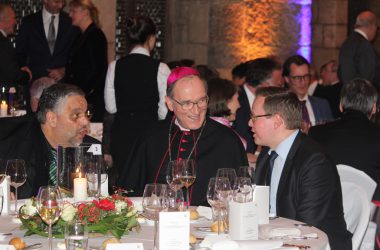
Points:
(50, 238)
(16, 212)
(155, 235)
(187, 199)
(219, 219)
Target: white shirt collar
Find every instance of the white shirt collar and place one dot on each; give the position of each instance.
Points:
(305, 98)
(361, 33)
(180, 127)
(46, 15)
(3, 32)
(140, 50)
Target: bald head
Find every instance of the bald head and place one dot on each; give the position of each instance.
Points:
(366, 21)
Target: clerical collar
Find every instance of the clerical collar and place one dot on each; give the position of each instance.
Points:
(180, 127)
(361, 33)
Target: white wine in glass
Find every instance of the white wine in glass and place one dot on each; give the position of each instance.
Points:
(173, 175)
(49, 207)
(188, 177)
(16, 171)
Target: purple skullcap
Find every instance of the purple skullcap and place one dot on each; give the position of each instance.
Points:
(179, 73)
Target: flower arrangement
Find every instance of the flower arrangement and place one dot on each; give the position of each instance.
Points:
(114, 214)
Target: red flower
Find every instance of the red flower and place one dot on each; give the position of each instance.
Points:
(105, 204)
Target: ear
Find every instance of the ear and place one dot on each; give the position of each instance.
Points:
(152, 42)
(341, 107)
(51, 119)
(169, 103)
(278, 121)
(374, 109)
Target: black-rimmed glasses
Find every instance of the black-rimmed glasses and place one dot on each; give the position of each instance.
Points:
(187, 105)
(255, 117)
(300, 78)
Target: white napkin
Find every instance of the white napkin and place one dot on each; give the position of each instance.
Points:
(6, 247)
(137, 203)
(205, 212)
(224, 242)
(279, 232)
(259, 244)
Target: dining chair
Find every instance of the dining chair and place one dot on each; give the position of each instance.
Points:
(356, 211)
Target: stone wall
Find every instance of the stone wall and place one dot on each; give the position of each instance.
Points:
(329, 29)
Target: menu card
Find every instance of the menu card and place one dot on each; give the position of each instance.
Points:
(243, 221)
(6, 195)
(174, 230)
(261, 197)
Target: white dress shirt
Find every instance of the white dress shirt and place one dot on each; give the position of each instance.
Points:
(46, 19)
(282, 150)
(162, 76)
(251, 97)
(309, 110)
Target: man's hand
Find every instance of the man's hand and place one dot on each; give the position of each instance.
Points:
(57, 74)
(27, 70)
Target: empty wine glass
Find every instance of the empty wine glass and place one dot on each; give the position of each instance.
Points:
(94, 170)
(247, 171)
(16, 171)
(154, 201)
(242, 190)
(173, 175)
(175, 200)
(187, 177)
(49, 207)
(228, 173)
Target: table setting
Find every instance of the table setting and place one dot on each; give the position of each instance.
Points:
(66, 217)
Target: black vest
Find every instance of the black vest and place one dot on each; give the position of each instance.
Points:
(135, 85)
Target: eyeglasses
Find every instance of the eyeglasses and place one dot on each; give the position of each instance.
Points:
(300, 78)
(255, 117)
(187, 105)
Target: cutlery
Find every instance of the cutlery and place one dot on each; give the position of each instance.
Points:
(295, 245)
(5, 234)
(34, 246)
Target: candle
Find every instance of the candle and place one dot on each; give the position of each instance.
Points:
(80, 188)
(3, 109)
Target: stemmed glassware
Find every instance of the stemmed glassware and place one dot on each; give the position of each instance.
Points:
(187, 177)
(154, 201)
(242, 190)
(247, 171)
(16, 171)
(49, 207)
(173, 178)
(96, 174)
(228, 173)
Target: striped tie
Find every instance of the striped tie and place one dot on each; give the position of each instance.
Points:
(53, 167)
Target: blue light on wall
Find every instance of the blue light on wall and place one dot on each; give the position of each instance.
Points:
(304, 19)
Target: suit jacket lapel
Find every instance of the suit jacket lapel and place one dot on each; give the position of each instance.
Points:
(61, 26)
(261, 169)
(288, 165)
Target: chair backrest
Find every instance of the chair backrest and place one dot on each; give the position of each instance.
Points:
(353, 175)
(356, 211)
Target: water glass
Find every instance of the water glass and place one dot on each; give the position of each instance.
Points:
(76, 235)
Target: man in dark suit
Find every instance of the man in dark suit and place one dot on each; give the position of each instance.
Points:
(10, 72)
(296, 71)
(45, 39)
(354, 140)
(261, 72)
(357, 56)
(61, 120)
(304, 183)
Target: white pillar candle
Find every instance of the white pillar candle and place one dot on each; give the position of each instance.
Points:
(3, 109)
(80, 189)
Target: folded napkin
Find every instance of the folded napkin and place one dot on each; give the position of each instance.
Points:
(269, 232)
(6, 247)
(259, 244)
(224, 242)
(205, 212)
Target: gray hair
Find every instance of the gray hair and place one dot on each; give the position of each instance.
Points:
(358, 94)
(53, 97)
(39, 85)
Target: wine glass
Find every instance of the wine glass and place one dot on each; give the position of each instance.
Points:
(2, 178)
(247, 171)
(187, 177)
(16, 171)
(173, 175)
(228, 173)
(154, 201)
(175, 200)
(49, 207)
(242, 189)
(94, 170)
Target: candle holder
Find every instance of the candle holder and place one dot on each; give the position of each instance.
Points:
(72, 166)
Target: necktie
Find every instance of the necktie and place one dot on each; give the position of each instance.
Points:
(53, 167)
(305, 113)
(51, 35)
(272, 157)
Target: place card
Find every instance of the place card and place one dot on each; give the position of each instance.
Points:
(125, 246)
(174, 230)
(6, 195)
(261, 197)
(243, 221)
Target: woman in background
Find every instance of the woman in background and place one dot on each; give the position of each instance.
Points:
(223, 102)
(87, 65)
(135, 89)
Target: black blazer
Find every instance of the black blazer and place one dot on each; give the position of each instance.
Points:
(32, 47)
(353, 140)
(87, 68)
(243, 115)
(10, 73)
(309, 190)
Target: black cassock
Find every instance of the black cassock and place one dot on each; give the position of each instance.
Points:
(218, 147)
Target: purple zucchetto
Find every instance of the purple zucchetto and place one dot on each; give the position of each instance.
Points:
(179, 73)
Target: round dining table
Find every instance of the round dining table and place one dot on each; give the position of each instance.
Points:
(10, 225)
